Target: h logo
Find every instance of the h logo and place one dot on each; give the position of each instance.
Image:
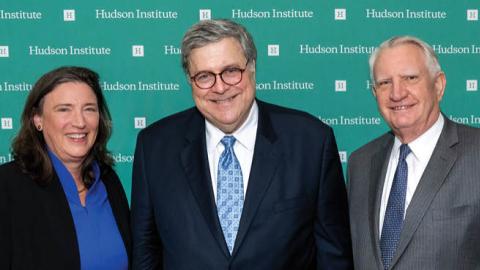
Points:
(4, 51)
(140, 122)
(340, 86)
(273, 50)
(340, 14)
(69, 15)
(472, 14)
(343, 156)
(205, 14)
(472, 85)
(6, 123)
(137, 51)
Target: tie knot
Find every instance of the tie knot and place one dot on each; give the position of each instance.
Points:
(404, 151)
(228, 141)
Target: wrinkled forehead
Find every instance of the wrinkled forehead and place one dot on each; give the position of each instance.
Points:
(217, 55)
(405, 56)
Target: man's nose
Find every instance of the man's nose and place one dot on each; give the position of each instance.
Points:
(399, 90)
(220, 86)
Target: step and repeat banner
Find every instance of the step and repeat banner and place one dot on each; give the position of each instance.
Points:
(312, 55)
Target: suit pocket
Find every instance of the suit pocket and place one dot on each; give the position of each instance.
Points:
(456, 212)
(297, 203)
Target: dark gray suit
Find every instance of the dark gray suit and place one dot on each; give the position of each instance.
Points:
(442, 223)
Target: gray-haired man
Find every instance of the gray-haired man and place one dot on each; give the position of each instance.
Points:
(414, 192)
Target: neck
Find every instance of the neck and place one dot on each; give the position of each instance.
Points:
(75, 170)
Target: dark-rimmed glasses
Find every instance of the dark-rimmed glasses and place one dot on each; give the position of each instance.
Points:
(230, 76)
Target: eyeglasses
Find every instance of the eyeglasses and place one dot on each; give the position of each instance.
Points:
(230, 76)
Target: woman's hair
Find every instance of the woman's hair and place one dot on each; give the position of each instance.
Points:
(29, 148)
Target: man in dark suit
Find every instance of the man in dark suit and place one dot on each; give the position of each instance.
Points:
(414, 192)
(236, 183)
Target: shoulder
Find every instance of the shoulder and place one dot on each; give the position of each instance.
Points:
(465, 132)
(366, 151)
(113, 184)
(9, 167)
(109, 176)
(16, 182)
(464, 139)
(289, 119)
(11, 171)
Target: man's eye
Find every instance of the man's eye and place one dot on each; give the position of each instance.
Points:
(382, 83)
(230, 71)
(203, 77)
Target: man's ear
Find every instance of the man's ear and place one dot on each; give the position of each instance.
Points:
(440, 84)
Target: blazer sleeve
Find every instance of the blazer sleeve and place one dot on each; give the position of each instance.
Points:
(147, 248)
(332, 229)
(5, 233)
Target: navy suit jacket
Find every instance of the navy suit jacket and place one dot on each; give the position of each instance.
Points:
(295, 212)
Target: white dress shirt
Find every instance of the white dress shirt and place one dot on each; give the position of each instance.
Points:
(244, 145)
(422, 149)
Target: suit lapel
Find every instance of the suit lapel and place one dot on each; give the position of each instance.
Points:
(264, 164)
(441, 162)
(117, 201)
(378, 170)
(195, 163)
(61, 220)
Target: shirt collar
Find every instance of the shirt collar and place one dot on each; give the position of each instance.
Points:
(243, 135)
(423, 146)
(66, 178)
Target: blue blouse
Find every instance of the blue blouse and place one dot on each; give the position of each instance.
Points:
(99, 240)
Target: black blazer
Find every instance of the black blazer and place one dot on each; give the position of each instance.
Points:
(295, 213)
(36, 225)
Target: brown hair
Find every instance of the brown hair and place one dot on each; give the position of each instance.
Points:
(28, 147)
(211, 31)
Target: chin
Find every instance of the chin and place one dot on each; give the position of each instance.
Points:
(79, 154)
(226, 118)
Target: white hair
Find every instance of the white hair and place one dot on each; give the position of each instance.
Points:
(431, 60)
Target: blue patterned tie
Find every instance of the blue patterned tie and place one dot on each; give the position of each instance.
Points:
(393, 221)
(229, 192)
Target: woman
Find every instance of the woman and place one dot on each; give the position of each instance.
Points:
(61, 204)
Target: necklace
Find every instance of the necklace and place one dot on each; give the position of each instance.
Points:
(82, 189)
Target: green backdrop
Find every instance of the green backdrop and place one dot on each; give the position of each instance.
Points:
(312, 55)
